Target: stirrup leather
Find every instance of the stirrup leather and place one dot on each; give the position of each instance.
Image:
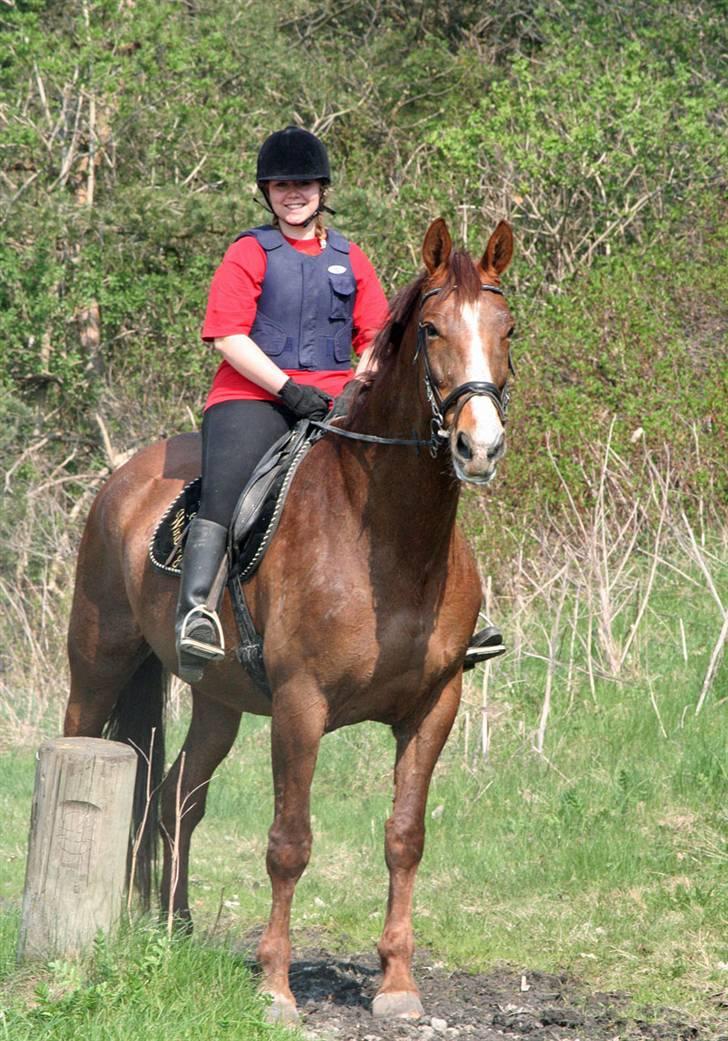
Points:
(200, 648)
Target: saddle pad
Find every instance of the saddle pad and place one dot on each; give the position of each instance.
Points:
(170, 534)
(256, 515)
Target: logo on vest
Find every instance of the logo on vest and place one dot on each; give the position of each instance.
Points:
(337, 269)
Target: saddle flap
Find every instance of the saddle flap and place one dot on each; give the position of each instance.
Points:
(170, 534)
(261, 481)
(260, 505)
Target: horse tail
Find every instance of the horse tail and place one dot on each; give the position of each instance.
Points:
(138, 720)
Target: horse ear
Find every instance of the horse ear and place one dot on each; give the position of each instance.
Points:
(437, 246)
(499, 251)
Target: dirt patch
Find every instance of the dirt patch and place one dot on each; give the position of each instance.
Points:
(335, 995)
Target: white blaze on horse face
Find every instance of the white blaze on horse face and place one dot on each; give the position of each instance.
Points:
(487, 428)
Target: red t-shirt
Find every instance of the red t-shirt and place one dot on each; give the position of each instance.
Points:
(232, 305)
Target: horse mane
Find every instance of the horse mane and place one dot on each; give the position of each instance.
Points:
(461, 275)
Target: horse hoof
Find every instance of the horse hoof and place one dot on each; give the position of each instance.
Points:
(397, 1004)
(282, 1012)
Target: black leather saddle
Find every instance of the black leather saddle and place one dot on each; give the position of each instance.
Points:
(256, 515)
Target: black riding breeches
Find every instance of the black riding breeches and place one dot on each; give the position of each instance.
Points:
(235, 437)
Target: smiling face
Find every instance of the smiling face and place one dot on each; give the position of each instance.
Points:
(294, 202)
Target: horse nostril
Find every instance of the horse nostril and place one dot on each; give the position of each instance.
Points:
(497, 448)
(463, 447)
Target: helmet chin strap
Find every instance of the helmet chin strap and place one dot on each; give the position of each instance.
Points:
(322, 209)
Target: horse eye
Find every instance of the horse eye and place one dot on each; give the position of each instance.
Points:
(431, 329)
(510, 332)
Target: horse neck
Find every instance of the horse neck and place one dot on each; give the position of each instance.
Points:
(405, 493)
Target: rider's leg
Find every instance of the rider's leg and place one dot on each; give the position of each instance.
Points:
(199, 633)
(235, 435)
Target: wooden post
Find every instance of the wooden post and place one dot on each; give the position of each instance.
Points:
(79, 840)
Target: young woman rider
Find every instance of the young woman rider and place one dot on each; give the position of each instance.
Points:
(286, 306)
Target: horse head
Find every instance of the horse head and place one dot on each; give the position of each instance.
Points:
(463, 341)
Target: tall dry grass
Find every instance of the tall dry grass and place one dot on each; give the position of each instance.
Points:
(578, 596)
(43, 506)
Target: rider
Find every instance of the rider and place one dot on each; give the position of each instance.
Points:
(286, 306)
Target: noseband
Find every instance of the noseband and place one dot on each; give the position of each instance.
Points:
(474, 388)
(440, 407)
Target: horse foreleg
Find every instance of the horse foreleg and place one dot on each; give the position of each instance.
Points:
(418, 748)
(296, 734)
(212, 731)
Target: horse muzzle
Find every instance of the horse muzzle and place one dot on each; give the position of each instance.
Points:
(477, 441)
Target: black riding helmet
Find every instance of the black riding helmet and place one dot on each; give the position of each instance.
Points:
(293, 154)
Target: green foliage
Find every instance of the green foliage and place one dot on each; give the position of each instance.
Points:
(127, 156)
(641, 341)
(586, 149)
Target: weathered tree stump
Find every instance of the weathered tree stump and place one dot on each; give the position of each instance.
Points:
(79, 836)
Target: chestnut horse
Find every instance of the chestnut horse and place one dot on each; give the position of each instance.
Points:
(366, 598)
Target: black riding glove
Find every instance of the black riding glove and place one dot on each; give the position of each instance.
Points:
(305, 402)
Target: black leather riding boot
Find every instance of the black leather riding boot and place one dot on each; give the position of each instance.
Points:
(198, 630)
(486, 643)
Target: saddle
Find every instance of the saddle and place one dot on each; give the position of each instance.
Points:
(255, 521)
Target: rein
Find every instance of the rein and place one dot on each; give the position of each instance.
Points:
(374, 439)
(440, 408)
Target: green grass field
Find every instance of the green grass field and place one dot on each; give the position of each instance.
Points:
(603, 854)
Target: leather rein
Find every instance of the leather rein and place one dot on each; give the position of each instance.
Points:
(440, 407)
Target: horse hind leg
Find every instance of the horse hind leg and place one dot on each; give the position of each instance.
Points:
(106, 647)
(120, 694)
(118, 690)
(100, 681)
(212, 732)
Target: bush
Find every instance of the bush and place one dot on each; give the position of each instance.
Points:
(129, 138)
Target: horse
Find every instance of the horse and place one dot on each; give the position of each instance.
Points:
(366, 600)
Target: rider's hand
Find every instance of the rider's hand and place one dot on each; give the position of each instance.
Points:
(305, 402)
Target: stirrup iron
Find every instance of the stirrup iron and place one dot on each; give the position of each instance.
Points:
(484, 645)
(210, 651)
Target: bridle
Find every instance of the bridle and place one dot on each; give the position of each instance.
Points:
(440, 408)
(465, 391)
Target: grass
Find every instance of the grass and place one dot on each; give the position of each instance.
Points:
(607, 863)
(127, 988)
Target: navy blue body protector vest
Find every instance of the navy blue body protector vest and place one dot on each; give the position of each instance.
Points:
(306, 306)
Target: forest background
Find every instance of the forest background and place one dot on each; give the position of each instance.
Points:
(128, 135)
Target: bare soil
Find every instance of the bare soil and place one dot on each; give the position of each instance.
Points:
(335, 995)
